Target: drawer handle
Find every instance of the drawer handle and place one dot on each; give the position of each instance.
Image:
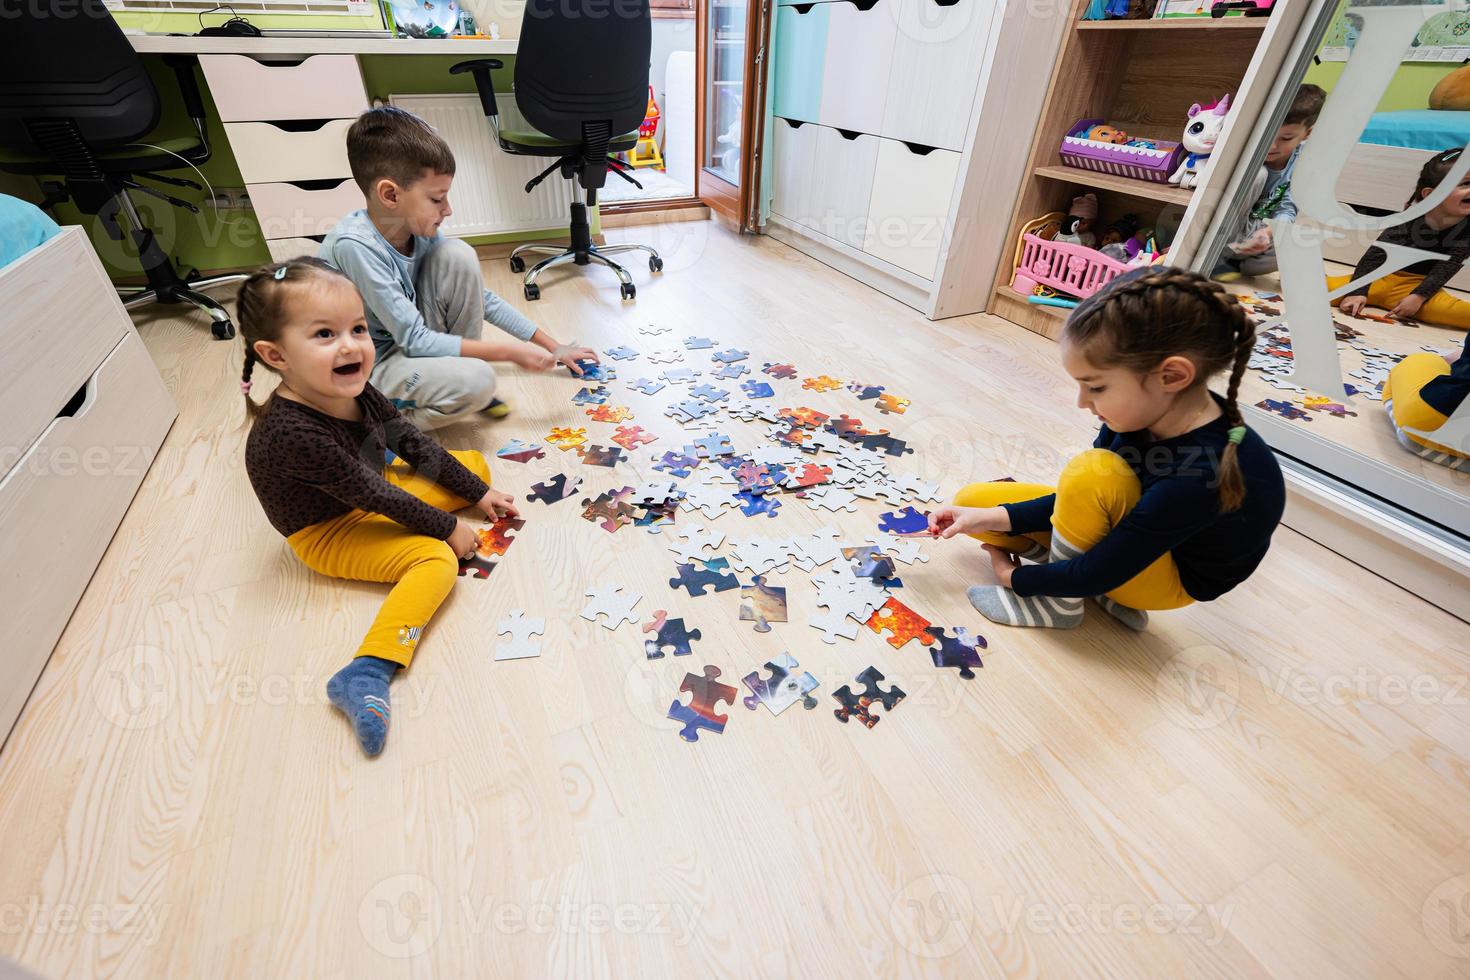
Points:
(298, 125)
(919, 149)
(324, 184)
(81, 403)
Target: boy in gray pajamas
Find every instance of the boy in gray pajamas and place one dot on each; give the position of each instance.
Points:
(426, 303)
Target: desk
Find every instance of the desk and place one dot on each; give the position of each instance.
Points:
(300, 47)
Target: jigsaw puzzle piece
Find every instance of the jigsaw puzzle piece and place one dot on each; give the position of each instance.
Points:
(520, 452)
(752, 504)
(699, 576)
(565, 438)
(859, 706)
(476, 567)
(902, 623)
(591, 396)
(821, 383)
(706, 693)
(611, 601)
(960, 649)
(558, 488)
(762, 604)
(669, 633)
(783, 688)
(520, 630)
(648, 386)
(779, 370)
(601, 455)
(757, 389)
(906, 521)
(621, 353)
(497, 538)
(631, 437)
(698, 343)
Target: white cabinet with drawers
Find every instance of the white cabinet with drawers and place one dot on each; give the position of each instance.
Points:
(895, 100)
(83, 412)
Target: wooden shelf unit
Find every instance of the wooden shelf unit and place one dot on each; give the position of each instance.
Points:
(1138, 76)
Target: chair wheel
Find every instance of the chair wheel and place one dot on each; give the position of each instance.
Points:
(222, 329)
(655, 264)
(533, 291)
(517, 264)
(628, 290)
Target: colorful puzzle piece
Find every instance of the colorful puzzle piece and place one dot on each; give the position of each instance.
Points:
(865, 392)
(565, 438)
(906, 521)
(860, 706)
(610, 413)
(668, 633)
(558, 488)
(807, 418)
(783, 688)
(756, 389)
(699, 714)
(631, 437)
(732, 371)
(593, 371)
(716, 444)
(476, 567)
(609, 509)
(821, 383)
(779, 370)
(871, 563)
(730, 355)
(1321, 403)
(520, 452)
(752, 504)
(601, 455)
(496, 539)
(892, 404)
(1284, 408)
(902, 623)
(961, 650)
(591, 396)
(698, 576)
(676, 463)
(762, 604)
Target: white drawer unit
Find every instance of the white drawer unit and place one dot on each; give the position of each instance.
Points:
(303, 209)
(938, 56)
(51, 337)
(63, 496)
(268, 153)
(856, 68)
(842, 179)
(324, 86)
(908, 212)
(794, 150)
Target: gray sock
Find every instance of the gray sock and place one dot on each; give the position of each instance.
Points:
(1003, 606)
(1134, 619)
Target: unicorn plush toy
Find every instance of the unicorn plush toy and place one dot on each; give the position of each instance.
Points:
(1200, 135)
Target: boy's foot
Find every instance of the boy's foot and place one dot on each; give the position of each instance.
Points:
(1229, 275)
(497, 409)
(1134, 619)
(1003, 606)
(1038, 553)
(360, 690)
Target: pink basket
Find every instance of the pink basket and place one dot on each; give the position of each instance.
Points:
(1141, 163)
(1072, 269)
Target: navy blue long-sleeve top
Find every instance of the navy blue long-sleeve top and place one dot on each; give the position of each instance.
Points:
(1178, 513)
(1445, 393)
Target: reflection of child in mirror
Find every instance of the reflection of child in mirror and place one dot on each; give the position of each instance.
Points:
(1422, 391)
(1417, 291)
(1253, 253)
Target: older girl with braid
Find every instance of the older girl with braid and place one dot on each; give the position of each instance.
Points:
(1176, 502)
(316, 455)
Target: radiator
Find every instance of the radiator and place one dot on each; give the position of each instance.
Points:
(489, 192)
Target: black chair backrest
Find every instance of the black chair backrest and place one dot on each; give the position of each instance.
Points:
(67, 72)
(583, 61)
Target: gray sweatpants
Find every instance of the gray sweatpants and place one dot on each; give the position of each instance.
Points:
(435, 391)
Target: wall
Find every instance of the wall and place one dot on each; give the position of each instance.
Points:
(1409, 89)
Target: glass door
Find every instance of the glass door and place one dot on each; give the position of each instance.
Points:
(732, 98)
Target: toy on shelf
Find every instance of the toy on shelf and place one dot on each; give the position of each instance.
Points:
(1076, 227)
(1075, 270)
(1251, 8)
(1141, 159)
(645, 152)
(1200, 135)
(1121, 240)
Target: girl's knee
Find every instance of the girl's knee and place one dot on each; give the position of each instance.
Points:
(474, 461)
(974, 495)
(1094, 467)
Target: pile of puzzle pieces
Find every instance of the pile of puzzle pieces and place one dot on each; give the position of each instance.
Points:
(827, 461)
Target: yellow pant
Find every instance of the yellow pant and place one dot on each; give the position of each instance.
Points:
(372, 548)
(1094, 493)
(1405, 380)
(1385, 293)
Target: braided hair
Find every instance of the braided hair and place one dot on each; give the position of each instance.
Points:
(1435, 169)
(1149, 314)
(261, 310)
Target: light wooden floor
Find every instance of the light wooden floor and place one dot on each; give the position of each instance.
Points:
(1272, 784)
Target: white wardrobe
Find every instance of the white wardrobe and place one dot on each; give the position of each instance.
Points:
(900, 135)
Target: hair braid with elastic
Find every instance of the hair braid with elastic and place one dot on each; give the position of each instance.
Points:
(1143, 317)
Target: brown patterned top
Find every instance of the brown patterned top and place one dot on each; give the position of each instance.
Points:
(308, 467)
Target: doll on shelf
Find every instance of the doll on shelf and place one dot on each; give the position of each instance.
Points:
(1077, 225)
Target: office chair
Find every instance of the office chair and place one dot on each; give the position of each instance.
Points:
(75, 101)
(581, 82)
